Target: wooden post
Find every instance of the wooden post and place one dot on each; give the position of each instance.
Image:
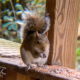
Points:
(63, 32)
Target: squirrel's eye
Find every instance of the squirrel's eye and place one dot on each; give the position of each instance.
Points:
(38, 42)
(40, 32)
(31, 32)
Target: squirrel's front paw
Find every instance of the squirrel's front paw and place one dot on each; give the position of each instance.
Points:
(31, 66)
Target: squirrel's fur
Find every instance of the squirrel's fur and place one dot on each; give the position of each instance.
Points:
(35, 45)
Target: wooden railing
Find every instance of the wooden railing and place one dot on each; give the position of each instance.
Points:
(62, 37)
(12, 67)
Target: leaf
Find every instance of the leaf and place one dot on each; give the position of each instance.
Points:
(6, 24)
(6, 32)
(3, 1)
(9, 13)
(8, 0)
(18, 6)
(78, 51)
(17, 1)
(18, 12)
(36, 1)
(6, 11)
(13, 27)
(0, 0)
(7, 18)
(20, 22)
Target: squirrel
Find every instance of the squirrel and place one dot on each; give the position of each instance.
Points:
(35, 46)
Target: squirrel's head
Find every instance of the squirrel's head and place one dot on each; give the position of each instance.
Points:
(34, 22)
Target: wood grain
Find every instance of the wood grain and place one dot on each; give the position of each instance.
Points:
(22, 77)
(10, 75)
(63, 32)
(17, 70)
(79, 30)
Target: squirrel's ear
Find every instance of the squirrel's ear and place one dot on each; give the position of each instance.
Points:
(47, 24)
(47, 20)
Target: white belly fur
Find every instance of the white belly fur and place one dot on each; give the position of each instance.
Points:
(28, 58)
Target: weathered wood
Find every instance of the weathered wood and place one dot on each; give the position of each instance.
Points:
(16, 69)
(79, 31)
(63, 32)
(10, 75)
(10, 48)
(22, 77)
(78, 44)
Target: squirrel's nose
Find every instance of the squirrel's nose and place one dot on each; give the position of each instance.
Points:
(43, 55)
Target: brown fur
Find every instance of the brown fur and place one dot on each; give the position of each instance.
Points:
(35, 45)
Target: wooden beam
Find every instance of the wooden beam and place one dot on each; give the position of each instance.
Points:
(39, 73)
(63, 32)
(10, 75)
(22, 77)
(15, 69)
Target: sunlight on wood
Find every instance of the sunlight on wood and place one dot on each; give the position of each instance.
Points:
(9, 47)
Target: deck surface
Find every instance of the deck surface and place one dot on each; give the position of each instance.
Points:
(9, 48)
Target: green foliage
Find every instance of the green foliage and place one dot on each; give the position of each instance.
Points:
(5, 25)
(4, 1)
(11, 16)
(13, 26)
(19, 12)
(78, 51)
(10, 26)
(19, 6)
(37, 5)
(8, 18)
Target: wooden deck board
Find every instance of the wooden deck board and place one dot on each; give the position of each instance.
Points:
(9, 48)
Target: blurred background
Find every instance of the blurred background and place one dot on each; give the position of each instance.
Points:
(10, 17)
